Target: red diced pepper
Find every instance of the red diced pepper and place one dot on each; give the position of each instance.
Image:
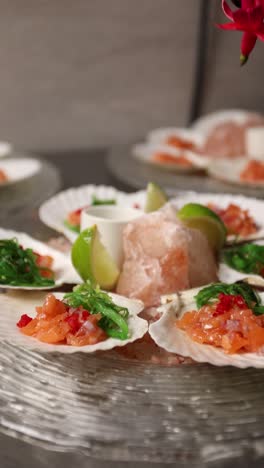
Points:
(85, 315)
(73, 321)
(239, 301)
(24, 320)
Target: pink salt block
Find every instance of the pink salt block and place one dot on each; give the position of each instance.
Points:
(163, 256)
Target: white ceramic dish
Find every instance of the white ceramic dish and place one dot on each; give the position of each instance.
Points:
(62, 267)
(18, 169)
(144, 152)
(254, 206)
(168, 336)
(12, 307)
(229, 171)
(54, 211)
(110, 221)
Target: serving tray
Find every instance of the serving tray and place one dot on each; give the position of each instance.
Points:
(137, 174)
(115, 409)
(112, 408)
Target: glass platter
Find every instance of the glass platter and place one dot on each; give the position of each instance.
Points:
(112, 408)
(108, 407)
(137, 174)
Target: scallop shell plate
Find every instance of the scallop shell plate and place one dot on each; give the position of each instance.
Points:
(144, 152)
(62, 266)
(166, 335)
(54, 211)
(207, 123)
(254, 206)
(13, 306)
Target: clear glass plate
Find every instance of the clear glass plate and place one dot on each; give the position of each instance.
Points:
(113, 408)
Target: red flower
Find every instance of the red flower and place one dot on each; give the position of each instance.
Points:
(248, 19)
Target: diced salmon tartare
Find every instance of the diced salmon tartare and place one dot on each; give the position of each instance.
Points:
(228, 324)
(57, 323)
(237, 221)
(253, 172)
(166, 158)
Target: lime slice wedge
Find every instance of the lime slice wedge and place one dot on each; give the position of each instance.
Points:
(200, 217)
(92, 261)
(156, 197)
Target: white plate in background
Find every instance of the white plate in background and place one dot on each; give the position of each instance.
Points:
(207, 123)
(5, 149)
(161, 135)
(18, 169)
(144, 152)
(229, 170)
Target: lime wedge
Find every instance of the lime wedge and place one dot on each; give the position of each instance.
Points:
(156, 197)
(200, 217)
(92, 261)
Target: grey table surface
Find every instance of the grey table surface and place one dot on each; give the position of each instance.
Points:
(89, 167)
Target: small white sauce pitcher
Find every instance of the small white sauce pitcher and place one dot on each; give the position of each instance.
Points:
(110, 221)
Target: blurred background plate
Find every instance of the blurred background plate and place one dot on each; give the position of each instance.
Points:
(18, 198)
(137, 175)
(229, 171)
(18, 169)
(5, 149)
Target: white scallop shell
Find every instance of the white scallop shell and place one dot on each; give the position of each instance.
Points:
(229, 171)
(13, 306)
(166, 335)
(54, 211)
(253, 205)
(206, 123)
(160, 135)
(226, 274)
(18, 169)
(62, 267)
(144, 152)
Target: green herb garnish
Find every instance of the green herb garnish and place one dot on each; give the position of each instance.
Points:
(98, 201)
(18, 266)
(114, 318)
(210, 294)
(72, 227)
(247, 258)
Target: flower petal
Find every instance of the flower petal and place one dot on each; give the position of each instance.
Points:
(255, 17)
(230, 27)
(260, 36)
(241, 17)
(227, 10)
(245, 4)
(248, 43)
